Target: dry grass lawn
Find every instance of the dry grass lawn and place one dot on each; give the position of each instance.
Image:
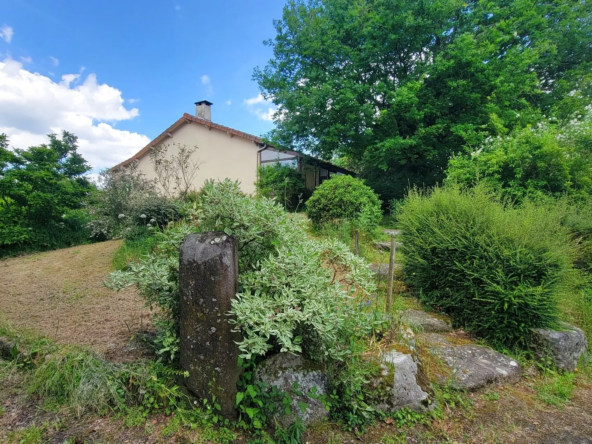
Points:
(60, 294)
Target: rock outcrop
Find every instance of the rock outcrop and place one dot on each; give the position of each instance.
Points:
(471, 367)
(426, 322)
(386, 245)
(562, 348)
(382, 269)
(400, 383)
(285, 369)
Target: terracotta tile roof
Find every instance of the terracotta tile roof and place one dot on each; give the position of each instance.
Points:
(187, 118)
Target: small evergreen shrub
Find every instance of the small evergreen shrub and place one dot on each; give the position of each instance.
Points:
(495, 269)
(344, 197)
(284, 184)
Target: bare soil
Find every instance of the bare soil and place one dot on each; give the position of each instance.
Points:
(60, 294)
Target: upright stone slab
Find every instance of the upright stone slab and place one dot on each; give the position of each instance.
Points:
(208, 281)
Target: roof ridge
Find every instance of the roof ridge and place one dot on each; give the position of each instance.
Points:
(187, 118)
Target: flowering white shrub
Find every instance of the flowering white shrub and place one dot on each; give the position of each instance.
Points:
(124, 202)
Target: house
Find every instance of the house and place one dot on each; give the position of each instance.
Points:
(228, 153)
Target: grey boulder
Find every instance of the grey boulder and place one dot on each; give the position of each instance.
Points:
(285, 369)
(6, 348)
(470, 366)
(386, 246)
(400, 383)
(426, 322)
(562, 348)
(383, 269)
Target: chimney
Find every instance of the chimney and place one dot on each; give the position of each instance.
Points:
(203, 110)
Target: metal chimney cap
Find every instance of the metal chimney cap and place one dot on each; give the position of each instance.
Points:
(204, 102)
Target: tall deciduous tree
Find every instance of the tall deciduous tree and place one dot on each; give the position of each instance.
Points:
(399, 86)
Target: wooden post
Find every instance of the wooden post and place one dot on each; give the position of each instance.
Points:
(391, 277)
(357, 240)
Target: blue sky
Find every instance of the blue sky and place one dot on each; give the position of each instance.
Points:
(117, 73)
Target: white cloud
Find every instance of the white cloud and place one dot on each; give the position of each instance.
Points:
(255, 100)
(33, 105)
(26, 59)
(259, 106)
(205, 80)
(94, 178)
(229, 102)
(133, 100)
(6, 33)
(266, 115)
(69, 78)
(54, 60)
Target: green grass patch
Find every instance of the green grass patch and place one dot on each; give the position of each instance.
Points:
(30, 435)
(557, 389)
(79, 379)
(132, 250)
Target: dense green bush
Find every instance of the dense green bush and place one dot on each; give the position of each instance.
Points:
(283, 183)
(42, 196)
(155, 212)
(344, 197)
(549, 160)
(495, 269)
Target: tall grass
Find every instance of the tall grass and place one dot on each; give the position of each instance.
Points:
(74, 377)
(132, 250)
(575, 298)
(497, 270)
(80, 379)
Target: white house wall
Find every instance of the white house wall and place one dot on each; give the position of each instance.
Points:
(221, 156)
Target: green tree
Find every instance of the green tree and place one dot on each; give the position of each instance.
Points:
(40, 190)
(283, 183)
(398, 86)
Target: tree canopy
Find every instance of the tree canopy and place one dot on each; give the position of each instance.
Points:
(399, 86)
(39, 187)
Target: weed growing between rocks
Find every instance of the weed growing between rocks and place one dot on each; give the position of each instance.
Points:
(557, 388)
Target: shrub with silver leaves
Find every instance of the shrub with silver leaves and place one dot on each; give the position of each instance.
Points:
(298, 294)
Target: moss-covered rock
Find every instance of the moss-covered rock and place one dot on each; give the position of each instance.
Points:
(285, 371)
